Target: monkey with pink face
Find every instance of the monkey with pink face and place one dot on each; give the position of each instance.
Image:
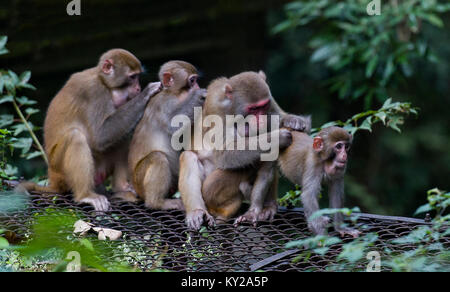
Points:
(310, 161)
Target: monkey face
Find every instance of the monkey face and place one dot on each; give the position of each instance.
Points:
(337, 162)
(133, 85)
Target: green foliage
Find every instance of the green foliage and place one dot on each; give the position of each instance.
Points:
(366, 53)
(390, 115)
(6, 146)
(424, 251)
(10, 86)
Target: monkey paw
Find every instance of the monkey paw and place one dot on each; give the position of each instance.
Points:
(251, 216)
(295, 123)
(152, 89)
(319, 225)
(99, 202)
(195, 219)
(268, 213)
(348, 231)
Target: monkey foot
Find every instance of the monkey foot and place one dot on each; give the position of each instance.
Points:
(268, 213)
(251, 216)
(319, 225)
(349, 231)
(126, 196)
(195, 219)
(99, 202)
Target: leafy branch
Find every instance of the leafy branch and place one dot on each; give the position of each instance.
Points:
(391, 115)
(10, 84)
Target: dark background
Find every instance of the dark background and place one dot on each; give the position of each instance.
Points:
(389, 173)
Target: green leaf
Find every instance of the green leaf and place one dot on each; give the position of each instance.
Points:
(382, 116)
(371, 66)
(25, 77)
(31, 111)
(6, 98)
(3, 41)
(3, 243)
(6, 120)
(24, 144)
(14, 77)
(25, 101)
(423, 209)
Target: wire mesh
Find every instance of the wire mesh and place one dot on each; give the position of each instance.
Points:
(160, 239)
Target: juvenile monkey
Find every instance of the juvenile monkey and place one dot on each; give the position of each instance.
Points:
(154, 163)
(310, 161)
(87, 126)
(244, 94)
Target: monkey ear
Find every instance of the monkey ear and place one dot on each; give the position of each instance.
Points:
(108, 66)
(262, 75)
(167, 80)
(228, 91)
(318, 144)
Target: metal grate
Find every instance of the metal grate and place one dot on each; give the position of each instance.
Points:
(160, 239)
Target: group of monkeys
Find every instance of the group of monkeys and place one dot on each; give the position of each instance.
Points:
(102, 124)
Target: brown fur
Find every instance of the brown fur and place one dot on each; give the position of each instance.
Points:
(304, 166)
(86, 134)
(154, 165)
(210, 180)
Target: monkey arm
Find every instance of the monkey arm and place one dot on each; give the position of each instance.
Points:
(336, 195)
(121, 122)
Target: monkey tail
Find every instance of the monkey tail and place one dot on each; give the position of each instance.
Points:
(28, 186)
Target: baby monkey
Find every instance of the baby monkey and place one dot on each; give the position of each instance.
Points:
(310, 161)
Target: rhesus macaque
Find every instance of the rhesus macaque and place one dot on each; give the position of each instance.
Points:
(244, 94)
(88, 125)
(310, 161)
(153, 162)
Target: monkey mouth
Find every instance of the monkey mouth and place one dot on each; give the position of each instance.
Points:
(340, 164)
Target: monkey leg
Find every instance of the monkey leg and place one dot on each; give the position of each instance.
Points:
(263, 188)
(310, 201)
(78, 169)
(120, 185)
(157, 183)
(221, 193)
(336, 195)
(190, 186)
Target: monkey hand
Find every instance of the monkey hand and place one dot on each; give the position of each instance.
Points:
(285, 138)
(319, 225)
(296, 123)
(195, 219)
(99, 202)
(151, 90)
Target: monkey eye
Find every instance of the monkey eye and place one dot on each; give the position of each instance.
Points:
(134, 76)
(339, 146)
(192, 80)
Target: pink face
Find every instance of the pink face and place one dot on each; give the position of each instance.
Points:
(134, 88)
(337, 164)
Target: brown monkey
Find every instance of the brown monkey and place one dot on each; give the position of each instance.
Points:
(310, 161)
(244, 94)
(87, 127)
(153, 162)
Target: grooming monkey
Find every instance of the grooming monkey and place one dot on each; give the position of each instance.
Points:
(87, 127)
(153, 162)
(310, 161)
(244, 94)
